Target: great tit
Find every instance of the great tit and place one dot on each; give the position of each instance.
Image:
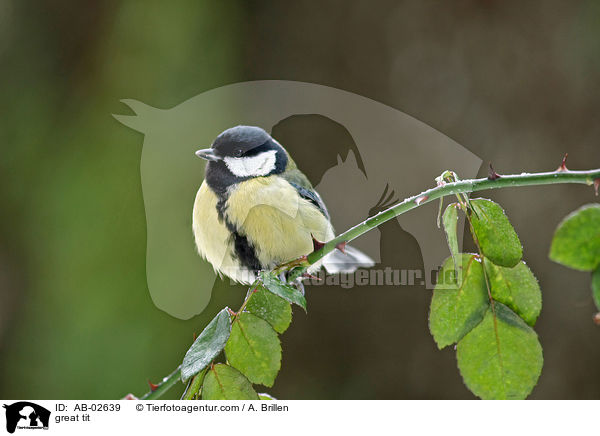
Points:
(255, 209)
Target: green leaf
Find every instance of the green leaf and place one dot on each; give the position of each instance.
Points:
(254, 349)
(497, 238)
(207, 346)
(516, 287)
(450, 220)
(576, 242)
(455, 309)
(596, 287)
(194, 387)
(501, 358)
(273, 309)
(285, 291)
(222, 382)
(264, 396)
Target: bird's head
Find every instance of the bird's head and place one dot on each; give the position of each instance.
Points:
(241, 153)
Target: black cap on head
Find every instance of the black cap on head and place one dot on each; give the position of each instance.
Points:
(241, 153)
(239, 140)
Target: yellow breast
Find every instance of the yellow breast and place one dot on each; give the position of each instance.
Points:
(277, 222)
(212, 236)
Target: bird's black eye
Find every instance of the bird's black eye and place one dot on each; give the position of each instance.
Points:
(239, 152)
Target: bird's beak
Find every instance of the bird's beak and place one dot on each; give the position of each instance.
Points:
(208, 154)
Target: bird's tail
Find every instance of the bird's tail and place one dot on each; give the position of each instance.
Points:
(346, 262)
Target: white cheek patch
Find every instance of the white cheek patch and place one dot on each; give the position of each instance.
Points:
(252, 166)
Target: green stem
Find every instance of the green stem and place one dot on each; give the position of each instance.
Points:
(460, 187)
(251, 291)
(167, 383)
(172, 379)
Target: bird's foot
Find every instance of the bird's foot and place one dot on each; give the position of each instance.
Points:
(301, 261)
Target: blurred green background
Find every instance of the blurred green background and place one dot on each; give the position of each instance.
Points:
(517, 83)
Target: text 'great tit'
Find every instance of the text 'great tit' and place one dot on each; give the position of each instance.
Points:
(255, 209)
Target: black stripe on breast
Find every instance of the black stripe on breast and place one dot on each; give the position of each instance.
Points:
(244, 252)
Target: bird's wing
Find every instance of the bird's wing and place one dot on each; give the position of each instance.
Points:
(293, 175)
(312, 196)
(300, 182)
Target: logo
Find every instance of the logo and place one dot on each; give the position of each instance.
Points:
(26, 415)
(361, 155)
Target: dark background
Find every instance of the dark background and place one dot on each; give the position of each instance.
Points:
(517, 83)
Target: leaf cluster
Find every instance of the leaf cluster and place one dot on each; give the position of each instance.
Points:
(249, 341)
(487, 303)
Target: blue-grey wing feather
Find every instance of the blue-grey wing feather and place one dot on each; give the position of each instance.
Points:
(312, 196)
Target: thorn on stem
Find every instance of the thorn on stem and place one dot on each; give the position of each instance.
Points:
(153, 387)
(195, 336)
(342, 246)
(563, 165)
(596, 186)
(421, 199)
(492, 174)
(317, 245)
(597, 318)
(231, 312)
(310, 276)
